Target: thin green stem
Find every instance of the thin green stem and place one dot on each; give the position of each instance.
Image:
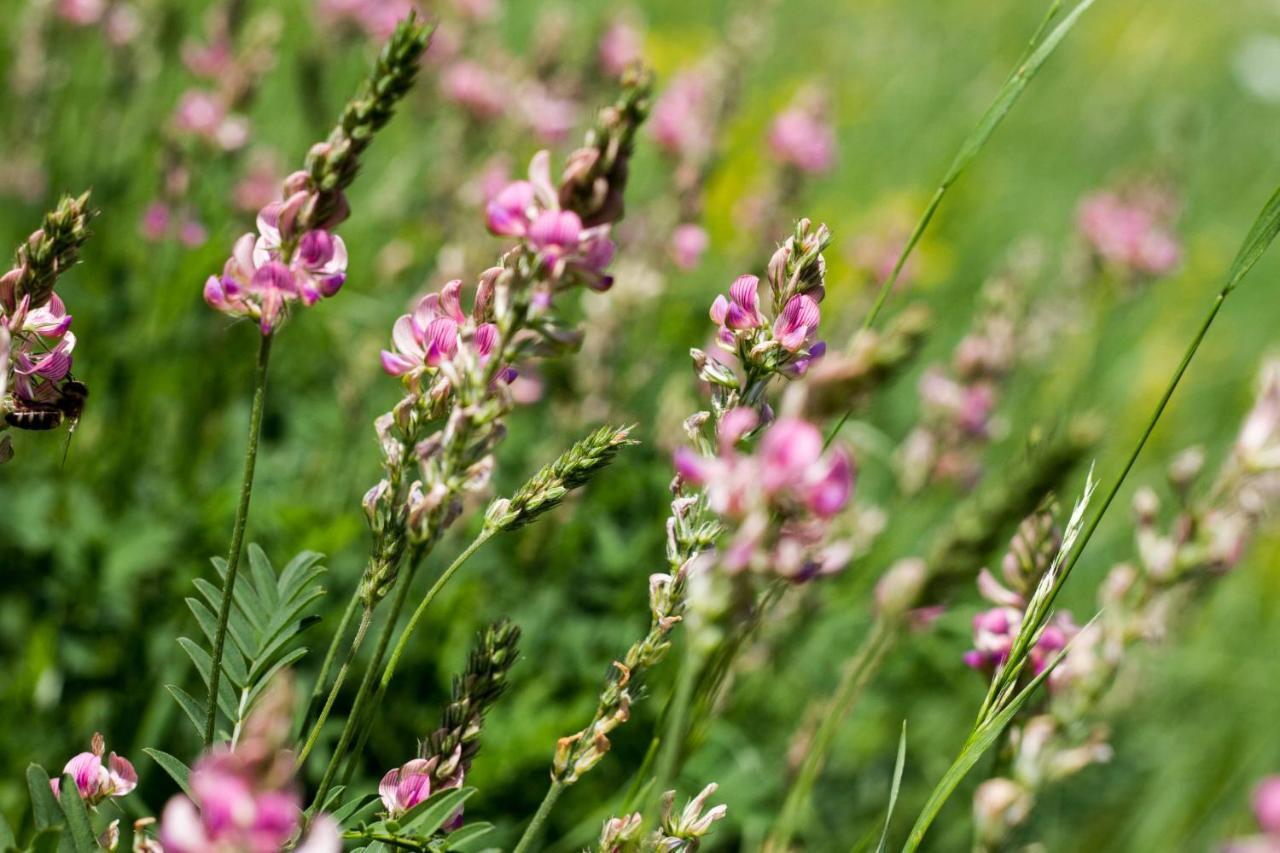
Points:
(237, 535)
(366, 684)
(331, 655)
(403, 642)
(669, 757)
(366, 619)
(532, 831)
(862, 666)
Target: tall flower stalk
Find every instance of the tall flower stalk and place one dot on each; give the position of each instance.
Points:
(736, 514)
(296, 259)
(456, 368)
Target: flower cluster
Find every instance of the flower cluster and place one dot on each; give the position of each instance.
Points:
(279, 266)
(677, 832)
(1266, 811)
(568, 252)
(802, 138)
(779, 500)
(1129, 232)
(243, 797)
(95, 779)
(295, 258)
(1030, 554)
(958, 401)
(782, 341)
(36, 342)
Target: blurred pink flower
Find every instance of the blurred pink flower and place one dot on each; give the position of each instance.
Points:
(620, 47)
(83, 13)
(802, 137)
(474, 88)
(679, 121)
(1128, 232)
(779, 499)
(688, 243)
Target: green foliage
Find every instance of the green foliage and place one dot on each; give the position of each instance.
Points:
(269, 612)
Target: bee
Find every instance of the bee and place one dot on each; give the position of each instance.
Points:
(40, 416)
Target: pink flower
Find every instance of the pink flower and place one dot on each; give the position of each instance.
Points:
(199, 112)
(429, 337)
(84, 13)
(404, 787)
(801, 137)
(155, 221)
(1127, 232)
(778, 501)
(679, 121)
(209, 61)
(797, 323)
(554, 234)
(96, 781)
(510, 212)
(688, 243)
(620, 47)
(741, 311)
(474, 88)
(1266, 805)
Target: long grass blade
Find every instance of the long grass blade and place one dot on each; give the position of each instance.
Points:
(898, 767)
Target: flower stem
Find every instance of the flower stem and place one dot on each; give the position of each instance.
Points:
(669, 757)
(403, 642)
(363, 628)
(855, 677)
(237, 535)
(330, 656)
(366, 684)
(532, 831)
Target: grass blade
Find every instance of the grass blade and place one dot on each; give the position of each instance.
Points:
(898, 767)
(978, 137)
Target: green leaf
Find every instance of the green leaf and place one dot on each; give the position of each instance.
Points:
(267, 614)
(177, 771)
(80, 831)
(6, 834)
(428, 816)
(893, 790)
(358, 811)
(264, 580)
(46, 840)
(464, 839)
(193, 709)
(44, 806)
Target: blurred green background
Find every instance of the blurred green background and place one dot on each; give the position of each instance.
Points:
(96, 555)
